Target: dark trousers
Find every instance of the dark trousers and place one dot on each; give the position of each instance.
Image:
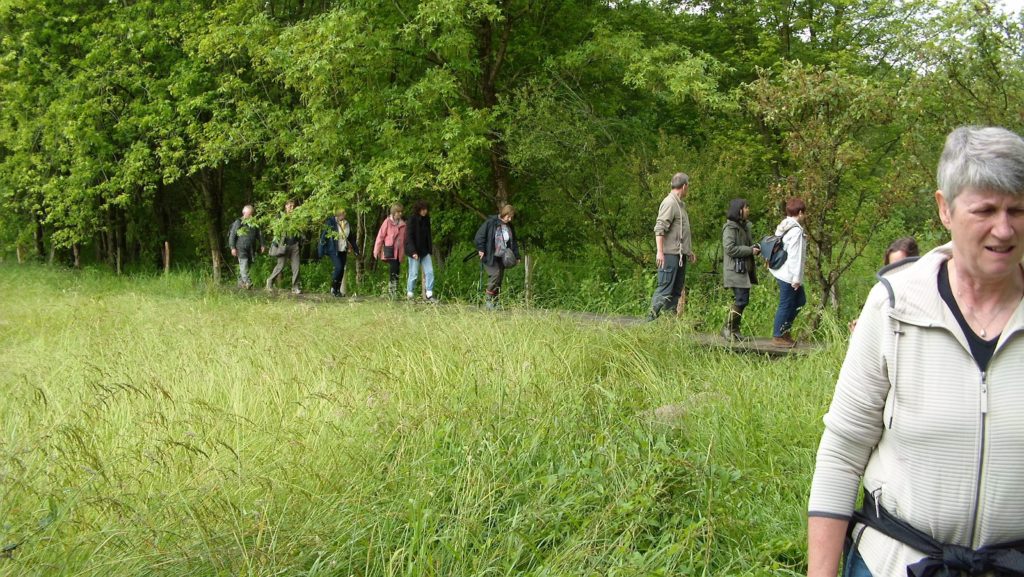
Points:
(495, 276)
(790, 302)
(671, 280)
(394, 268)
(338, 259)
(740, 297)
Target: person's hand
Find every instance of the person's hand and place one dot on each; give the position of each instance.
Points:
(796, 286)
(415, 256)
(234, 252)
(756, 249)
(263, 249)
(659, 259)
(692, 257)
(481, 253)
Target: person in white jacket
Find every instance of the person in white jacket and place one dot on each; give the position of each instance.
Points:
(927, 408)
(790, 276)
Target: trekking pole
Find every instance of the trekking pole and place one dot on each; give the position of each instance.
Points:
(480, 280)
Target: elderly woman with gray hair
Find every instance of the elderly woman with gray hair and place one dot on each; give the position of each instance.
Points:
(927, 409)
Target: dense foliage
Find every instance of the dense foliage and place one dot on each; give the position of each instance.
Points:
(131, 123)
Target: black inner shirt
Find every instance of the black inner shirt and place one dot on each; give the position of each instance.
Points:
(981, 349)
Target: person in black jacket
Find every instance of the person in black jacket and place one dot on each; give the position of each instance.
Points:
(418, 246)
(494, 240)
(336, 240)
(245, 239)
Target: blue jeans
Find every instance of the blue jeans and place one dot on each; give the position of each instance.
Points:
(671, 279)
(428, 274)
(854, 566)
(790, 302)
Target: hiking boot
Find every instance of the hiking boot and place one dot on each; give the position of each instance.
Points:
(782, 342)
(727, 333)
(296, 291)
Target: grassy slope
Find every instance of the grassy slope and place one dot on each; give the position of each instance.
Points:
(150, 427)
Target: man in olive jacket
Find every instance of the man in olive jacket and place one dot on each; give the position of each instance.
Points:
(244, 240)
(672, 237)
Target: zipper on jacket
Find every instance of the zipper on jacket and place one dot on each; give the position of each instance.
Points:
(981, 460)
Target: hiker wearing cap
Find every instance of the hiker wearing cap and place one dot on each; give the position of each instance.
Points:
(674, 251)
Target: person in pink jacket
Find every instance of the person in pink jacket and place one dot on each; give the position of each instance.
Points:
(389, 246)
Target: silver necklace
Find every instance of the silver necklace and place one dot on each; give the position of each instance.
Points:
(984, 327)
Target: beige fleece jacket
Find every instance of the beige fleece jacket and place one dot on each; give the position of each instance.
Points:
(939, 443)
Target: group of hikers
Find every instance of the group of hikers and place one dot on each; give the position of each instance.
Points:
(497, 247)
(397, 239)
(739, 270)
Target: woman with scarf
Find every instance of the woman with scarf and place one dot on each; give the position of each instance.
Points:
(336, 240)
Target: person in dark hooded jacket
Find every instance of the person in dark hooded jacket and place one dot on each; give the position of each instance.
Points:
(493, 239)
(738, 267)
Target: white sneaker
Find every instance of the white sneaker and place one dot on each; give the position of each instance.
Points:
(409, 296)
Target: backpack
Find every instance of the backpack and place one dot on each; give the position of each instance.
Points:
(773, 251)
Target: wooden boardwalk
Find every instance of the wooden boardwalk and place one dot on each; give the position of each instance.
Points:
(756, 345)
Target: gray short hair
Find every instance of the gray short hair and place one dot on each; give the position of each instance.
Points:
(679, 180)
(984, 158)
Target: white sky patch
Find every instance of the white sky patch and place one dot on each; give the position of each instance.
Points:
(1013, 6)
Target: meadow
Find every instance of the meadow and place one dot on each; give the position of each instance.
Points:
(158, 426)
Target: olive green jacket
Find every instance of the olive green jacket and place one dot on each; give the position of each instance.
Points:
(737, 245)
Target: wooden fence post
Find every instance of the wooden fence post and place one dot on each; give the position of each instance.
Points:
(528, 282)
(167, 257)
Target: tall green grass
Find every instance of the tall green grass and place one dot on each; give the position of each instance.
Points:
(153, 426)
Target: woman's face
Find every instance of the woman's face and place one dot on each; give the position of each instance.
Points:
(340, 215)
(506, 218)
(289, 206)
(745, 212)
(896, 256)
(424, 211)
(396, 214)
(987, 229)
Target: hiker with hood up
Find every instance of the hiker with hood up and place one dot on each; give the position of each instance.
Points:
(738, 267)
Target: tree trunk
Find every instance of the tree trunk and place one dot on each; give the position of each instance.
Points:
(76, 251)
(491, 50)
(210, 185)
(40, 239)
